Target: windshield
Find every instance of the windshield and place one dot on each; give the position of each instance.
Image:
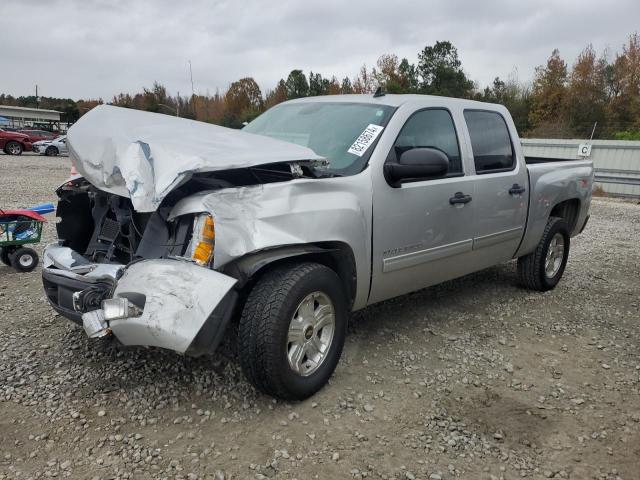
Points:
(329, 129)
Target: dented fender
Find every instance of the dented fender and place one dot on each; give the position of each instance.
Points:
(297, 213)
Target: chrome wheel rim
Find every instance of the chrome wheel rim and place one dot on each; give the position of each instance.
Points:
(310, 333)
(14, 149)
(555, 255)
(25, 260)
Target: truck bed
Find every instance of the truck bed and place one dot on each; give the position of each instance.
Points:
(551, 182)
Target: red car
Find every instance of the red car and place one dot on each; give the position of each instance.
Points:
(37, 135)
(14, 143)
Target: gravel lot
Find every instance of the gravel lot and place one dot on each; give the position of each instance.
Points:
(473, 379)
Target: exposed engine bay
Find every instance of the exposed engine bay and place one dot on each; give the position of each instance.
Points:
(102, 228)
(106, 228)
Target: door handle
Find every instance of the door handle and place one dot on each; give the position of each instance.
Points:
(460, 197)
(516, 189)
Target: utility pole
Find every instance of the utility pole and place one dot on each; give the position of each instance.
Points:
(193, 93)
(191, 76)
(37, 99)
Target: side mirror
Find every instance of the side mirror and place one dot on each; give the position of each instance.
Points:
(417, 164)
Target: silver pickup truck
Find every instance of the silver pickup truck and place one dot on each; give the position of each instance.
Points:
(319, 207)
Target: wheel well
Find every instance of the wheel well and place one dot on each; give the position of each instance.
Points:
(337, 256)
(568, 210)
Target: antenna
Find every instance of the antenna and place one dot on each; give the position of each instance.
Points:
(594, 130)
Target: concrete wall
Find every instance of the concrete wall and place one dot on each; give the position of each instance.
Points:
(616, 162)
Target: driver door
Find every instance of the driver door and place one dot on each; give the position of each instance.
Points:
(421, 237)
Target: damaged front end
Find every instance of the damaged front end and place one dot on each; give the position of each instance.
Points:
(138, 276)
(137, 255)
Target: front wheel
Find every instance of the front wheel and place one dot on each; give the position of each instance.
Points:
(292, 330)
(13, 148)
(51, 151)
(543, 268)
(24, 259)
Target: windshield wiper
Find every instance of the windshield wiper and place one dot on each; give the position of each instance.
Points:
(319, 173)
(317, 169)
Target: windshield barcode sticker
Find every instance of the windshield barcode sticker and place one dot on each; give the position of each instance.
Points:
(365, 139)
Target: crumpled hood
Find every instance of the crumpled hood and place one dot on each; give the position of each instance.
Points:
(143, 155)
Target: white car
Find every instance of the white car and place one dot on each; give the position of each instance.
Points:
(53, 147)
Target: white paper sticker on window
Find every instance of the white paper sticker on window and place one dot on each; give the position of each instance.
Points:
(365, 139)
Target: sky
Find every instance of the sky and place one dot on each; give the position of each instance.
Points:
(98, 48)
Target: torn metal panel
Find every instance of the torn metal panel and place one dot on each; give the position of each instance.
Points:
(254, 218)
(69, 263)
(144, 155)
(176, 299)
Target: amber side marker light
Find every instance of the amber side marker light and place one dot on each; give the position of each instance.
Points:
(203, 240)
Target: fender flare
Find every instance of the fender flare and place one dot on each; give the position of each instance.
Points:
(248, 265)
(341, 260)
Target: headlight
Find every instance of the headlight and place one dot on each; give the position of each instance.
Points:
(203, 240)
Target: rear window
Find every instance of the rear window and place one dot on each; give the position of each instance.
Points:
(490, 141)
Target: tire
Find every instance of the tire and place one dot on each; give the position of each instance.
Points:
(51, 151)
(5, 256)
(542, 270)
(24, 259)
(273, 314)
(13, 148)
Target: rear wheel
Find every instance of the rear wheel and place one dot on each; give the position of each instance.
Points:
(13, 148)
(5, 255)
(51, 151)
(24, 259)
(543, 268)
(292, 330)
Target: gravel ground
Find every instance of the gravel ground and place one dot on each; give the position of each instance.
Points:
(474, 379)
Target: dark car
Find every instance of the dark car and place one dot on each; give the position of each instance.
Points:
(14, 143)
(37, 135)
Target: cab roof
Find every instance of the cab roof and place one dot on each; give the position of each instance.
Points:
(395, 100)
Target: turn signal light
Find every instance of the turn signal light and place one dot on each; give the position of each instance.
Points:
(203, 240)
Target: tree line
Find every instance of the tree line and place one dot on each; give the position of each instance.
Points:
(597, 94)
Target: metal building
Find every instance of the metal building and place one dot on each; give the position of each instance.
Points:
(616, 162)
(21, 117)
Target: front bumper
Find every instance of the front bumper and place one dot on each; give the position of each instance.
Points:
(181, 306)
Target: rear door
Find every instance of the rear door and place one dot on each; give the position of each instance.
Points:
(420, 237)
(501, 186)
